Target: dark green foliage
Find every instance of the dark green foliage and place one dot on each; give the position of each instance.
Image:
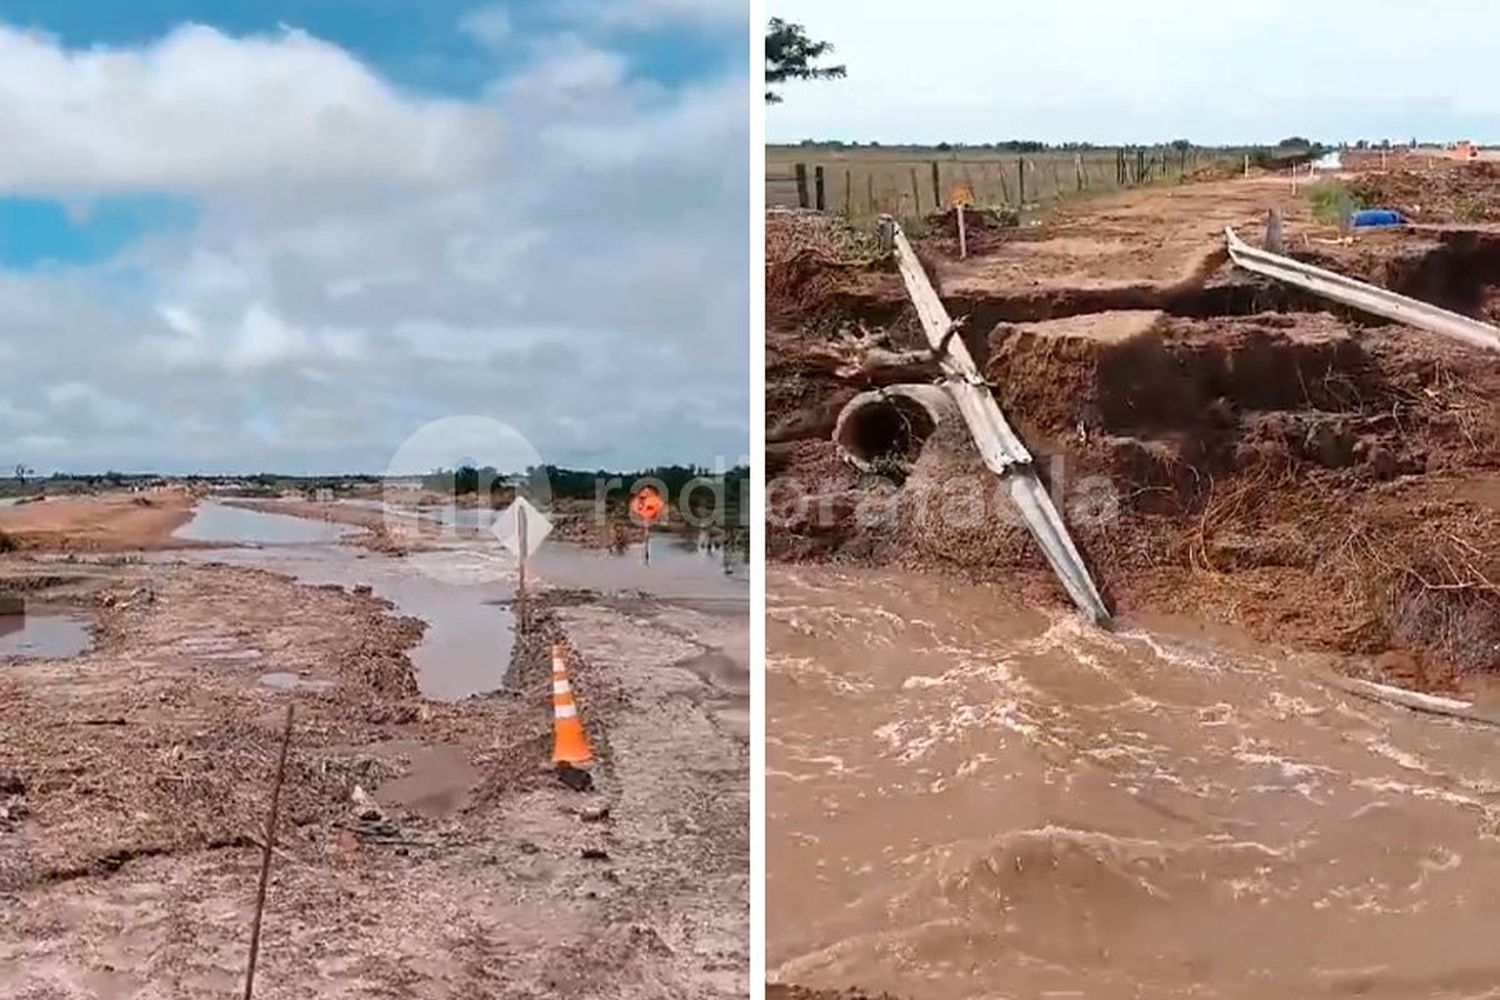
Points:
(790, 55)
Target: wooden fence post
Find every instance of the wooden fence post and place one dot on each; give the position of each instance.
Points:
(870, 191)
(848, 204)
(802, 200)
(937, 187)
(1078, 170)
(916, 195)
(818, 186)
(1021, 179)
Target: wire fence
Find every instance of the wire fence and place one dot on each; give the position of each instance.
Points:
(870, 184)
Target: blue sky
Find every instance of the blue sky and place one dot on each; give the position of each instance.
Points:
(417, 44)
(1111, 72)
(285, 235)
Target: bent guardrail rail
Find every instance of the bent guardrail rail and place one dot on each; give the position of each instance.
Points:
(1001, 449)
(1365, 297)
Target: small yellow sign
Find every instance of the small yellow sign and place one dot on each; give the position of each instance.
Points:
(961, 196)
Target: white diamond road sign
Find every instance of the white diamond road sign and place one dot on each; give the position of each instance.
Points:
(507, 527)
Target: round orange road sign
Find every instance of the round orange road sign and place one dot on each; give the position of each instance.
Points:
(647, 504)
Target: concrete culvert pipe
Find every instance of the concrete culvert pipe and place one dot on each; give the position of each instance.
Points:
(888, 426)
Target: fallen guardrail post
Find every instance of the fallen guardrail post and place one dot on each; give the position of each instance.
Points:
(1001, 449)
(1360, 295)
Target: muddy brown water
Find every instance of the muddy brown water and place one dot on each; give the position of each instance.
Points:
(43, 636)
(461, 587)
(217, 522)
(967, 799)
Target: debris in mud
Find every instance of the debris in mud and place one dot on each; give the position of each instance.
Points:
(984, 228)
(593, 854)
(365, 807)
(575, 778)
(12, 801)
(1468, 193)
(1314, 479)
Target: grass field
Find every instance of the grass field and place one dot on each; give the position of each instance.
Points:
(909, 181)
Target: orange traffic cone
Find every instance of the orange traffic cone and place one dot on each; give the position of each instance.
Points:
(569, 745)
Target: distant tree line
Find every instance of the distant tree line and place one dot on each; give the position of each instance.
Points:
(613, 486)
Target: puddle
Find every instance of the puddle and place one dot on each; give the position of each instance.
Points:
(281, 681)
(441, 780)
(43, 636)
(461, 588)
(466, 648)
(679, 569)
(216, 522)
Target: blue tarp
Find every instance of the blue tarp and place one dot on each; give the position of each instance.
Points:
(1377, 217)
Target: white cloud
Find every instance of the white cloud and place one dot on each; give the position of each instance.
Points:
(490, 26)
(584, 281)
(200, 111)
(570, 75)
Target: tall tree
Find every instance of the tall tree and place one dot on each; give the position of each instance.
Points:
(790, 55)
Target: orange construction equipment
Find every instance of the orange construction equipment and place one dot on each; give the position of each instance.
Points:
(569, 745)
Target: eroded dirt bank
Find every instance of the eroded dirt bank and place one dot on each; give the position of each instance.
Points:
(135, 779)
(111, 522)
(1223, 448)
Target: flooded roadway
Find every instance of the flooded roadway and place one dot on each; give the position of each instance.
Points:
(970, 799)
(461, 588)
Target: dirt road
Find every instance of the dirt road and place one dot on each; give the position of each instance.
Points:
(427, 850)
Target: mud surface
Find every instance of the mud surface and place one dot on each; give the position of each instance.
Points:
(112, 521)
(963, 791)
(1222, 447)
(967, 788)
(426, 849)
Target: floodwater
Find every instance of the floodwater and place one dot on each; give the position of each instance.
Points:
(39, 636)
(461, 589)
(217, 522)
(970, 799)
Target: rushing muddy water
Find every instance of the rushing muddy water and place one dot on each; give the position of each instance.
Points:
(462, 588)
(969, 799)
(37, 636)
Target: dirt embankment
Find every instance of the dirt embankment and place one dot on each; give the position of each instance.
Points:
(1220, 447)
(107, 522)
(1442, 192)
(425, 849)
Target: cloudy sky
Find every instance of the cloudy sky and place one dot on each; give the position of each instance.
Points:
(239, 235)
(1112, 72)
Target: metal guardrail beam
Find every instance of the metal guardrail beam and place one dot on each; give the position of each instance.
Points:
(1365, 297)
(998, 444)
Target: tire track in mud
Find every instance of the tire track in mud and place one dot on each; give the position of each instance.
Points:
(962, 792)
